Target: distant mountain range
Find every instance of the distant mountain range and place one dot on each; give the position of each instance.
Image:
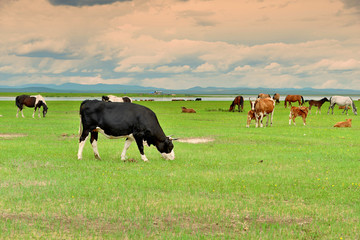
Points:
(123, 89)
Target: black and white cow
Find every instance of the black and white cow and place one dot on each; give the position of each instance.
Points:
(122, 120)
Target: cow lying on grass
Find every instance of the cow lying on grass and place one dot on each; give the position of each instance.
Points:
(347, 123)
(298, 111)
(187, 110)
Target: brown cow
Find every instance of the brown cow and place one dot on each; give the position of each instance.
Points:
(263, 107)
(347, 123)
(294, 98)
(343, 107)
(298, 111)
(263, 95)
(187, 110)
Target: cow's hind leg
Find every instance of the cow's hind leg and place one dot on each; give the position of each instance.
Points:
(17, 113)
(33, 116)
(128, 142)
(267, 120)
(139, 142)
(84, 135)
(21, 110)
(93, 141)
(271, 120)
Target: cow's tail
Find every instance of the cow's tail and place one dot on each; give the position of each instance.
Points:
(302, 100)
(17, 102)
(80, 127)
(80, 114)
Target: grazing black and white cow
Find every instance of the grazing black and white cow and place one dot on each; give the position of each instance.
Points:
(122, 120)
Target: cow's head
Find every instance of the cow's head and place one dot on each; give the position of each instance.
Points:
(252, 104)
(166, 148)
(45, 109)
(105, 99)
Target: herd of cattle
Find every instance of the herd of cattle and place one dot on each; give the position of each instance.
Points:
(264, 105)
(140, 124)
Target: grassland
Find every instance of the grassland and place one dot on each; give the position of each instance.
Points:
(280, 182)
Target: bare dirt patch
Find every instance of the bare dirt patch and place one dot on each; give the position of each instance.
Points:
(195, 140)
(11, 135)
(67, 135)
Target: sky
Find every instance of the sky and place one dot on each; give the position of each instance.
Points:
(180, 44)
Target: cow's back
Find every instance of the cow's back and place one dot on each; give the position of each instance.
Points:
(119, 118)
(264, 105)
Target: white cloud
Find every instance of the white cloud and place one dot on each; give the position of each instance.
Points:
(245, 68)
(206, 67)
(172, 69)
(272, 66)
(350, 64)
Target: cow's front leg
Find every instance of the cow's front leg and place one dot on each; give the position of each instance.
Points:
(257, 119)
(261, 119)
(84, 135)
(128, 142)
(93, 141)
(293, 118)
(139, 142)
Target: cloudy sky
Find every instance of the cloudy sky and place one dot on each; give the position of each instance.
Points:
(179, 44)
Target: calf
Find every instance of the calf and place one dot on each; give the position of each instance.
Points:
(187, 110)
(250, 116)
(122, 120)
(298, 111)
(347, 123)
(263, 107)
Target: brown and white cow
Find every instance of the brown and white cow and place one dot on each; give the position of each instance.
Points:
(298, 111)
(347, 123)
(262, 107)
(187, 110)
(276, 97)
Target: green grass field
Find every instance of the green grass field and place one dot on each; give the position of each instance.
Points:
(279, 182)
